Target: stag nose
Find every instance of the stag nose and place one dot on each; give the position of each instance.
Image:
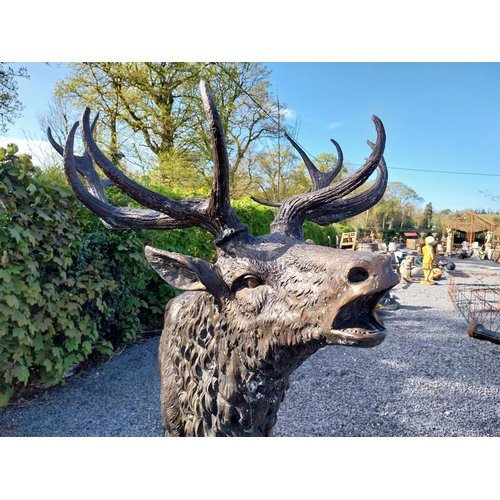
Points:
(357, 275)
(372, 268)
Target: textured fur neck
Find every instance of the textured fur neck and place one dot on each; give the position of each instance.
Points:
(213, 389)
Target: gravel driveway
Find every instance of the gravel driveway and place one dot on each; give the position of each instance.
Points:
(427, 379)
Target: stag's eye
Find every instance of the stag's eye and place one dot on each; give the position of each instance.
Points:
(247, 281)
(252, 282)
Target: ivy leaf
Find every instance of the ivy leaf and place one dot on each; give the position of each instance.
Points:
(48, 364)
(5, 275)
(19, 332)
(15, 233)
(43, 215)
(12, 301)
(38, 343)
(5, 396)
(21, 372)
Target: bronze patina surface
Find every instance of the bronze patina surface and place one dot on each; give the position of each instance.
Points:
(231, 341)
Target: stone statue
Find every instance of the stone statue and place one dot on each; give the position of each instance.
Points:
(410, 269)
(421, 244)
(488, 247)
(246, 322)
(465, 249)
(449, 240)
(429, 251)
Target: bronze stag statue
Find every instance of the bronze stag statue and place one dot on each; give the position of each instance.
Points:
(245, 323)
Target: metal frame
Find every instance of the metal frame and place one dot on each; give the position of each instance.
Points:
(478, 303)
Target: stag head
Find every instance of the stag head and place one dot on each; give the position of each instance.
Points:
(231, 341)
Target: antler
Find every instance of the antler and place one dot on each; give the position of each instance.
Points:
(85, 167)
(349, 207)
(215, 215)
(319, 179)
(322, 205)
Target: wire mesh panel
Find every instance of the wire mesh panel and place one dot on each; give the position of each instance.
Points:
(478, 303)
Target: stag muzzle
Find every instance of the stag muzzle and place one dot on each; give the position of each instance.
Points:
(365, 282)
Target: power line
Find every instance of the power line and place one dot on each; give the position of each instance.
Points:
(442, 171)
(353, 164)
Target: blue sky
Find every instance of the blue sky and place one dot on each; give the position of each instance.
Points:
(442, 120)
(439, 117)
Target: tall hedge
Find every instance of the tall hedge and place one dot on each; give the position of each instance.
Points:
(67, 289)
(43, 328)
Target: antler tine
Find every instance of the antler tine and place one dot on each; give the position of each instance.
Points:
(85, 167)
(112, 217)
(296, 209)
(319, 179)
(138, 193)
(53, 142)
(275, 204)
(349, 207)
(219, 205)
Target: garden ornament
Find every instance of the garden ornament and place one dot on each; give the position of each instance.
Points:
(429, 253)
(246, 322)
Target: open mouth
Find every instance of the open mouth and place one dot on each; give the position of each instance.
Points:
(356, 323)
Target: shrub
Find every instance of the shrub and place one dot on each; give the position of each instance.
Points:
(139, 296)
(110, 257)
(257, 217)
(43, 326)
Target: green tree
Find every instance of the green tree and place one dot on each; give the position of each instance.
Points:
(399, 200)
(441, 217)
(398, 208)
(10, 105)
(273, 173)
(155, 108)
(427, 216)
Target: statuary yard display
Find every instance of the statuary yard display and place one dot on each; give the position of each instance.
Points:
(246, 322)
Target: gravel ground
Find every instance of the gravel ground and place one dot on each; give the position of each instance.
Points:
(427, 379)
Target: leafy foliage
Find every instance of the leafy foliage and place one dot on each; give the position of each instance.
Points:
(10, 105)
(152, 113)
(257, 217)
(69, 288)
(43, 326)
(108, 257)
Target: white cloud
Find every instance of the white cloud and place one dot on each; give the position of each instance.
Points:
(333, 125)
(290, 114)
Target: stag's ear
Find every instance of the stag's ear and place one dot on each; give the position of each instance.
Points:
(187, 273)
